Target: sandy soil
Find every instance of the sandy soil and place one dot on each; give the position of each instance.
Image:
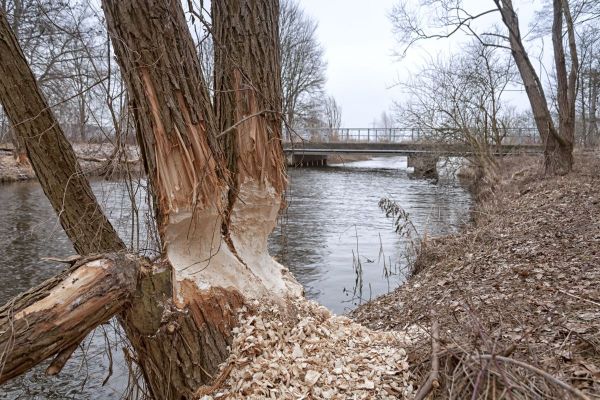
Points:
(516, 295)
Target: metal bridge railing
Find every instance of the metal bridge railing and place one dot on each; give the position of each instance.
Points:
(513, 136)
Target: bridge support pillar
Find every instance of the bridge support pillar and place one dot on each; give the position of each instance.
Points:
(424, 165)
(305, 160)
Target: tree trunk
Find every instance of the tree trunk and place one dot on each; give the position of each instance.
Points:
(566, 88)
(245, 63)
(19, 152)
(558, 151)
(50, 154)
(593, 130)
(54, 317)
(178, 313)
(180, 344)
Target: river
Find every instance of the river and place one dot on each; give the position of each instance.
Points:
(332, 224)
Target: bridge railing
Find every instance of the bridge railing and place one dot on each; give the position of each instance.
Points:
(514, 136)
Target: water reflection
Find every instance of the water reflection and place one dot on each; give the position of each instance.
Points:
(332, 213)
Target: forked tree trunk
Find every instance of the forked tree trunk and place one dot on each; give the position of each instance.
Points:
(212, 273)
(179, 317)
(558, 149)
(566, 83)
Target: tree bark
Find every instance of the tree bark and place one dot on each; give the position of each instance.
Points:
(245, 63)
(50, 154)
(592, 135)
(179, 312)
(558, 150)
(180, 342)
(54, 317)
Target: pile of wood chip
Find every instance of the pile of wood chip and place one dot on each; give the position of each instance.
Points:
(314, 356)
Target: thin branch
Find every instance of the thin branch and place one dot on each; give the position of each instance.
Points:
(538, 371)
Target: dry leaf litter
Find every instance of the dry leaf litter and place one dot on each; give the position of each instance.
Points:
(523, 282)
(316, 356)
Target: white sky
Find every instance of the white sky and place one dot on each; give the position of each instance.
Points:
(359, 44)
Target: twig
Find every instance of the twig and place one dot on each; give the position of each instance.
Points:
(433, 379)
(60, 360)
(246, 118)
(69, 260)
(538, 371)
(579, 298)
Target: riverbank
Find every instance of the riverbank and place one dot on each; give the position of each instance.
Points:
(341, 159)
(513, 299)
(95, 160)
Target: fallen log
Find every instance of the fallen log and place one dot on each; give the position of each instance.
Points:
(54, 317)
(107, 160)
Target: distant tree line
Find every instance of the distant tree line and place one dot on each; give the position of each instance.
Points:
(463, 97)
(67, 46)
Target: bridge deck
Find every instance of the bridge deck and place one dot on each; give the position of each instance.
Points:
(375, 148)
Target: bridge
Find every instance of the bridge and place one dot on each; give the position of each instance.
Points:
(310, 147)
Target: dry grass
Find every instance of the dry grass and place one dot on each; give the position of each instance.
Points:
(516, 295)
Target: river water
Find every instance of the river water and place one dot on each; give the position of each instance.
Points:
(333, 237)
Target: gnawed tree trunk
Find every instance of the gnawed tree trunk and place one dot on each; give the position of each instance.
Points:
(249, 117)
(54, 317)
(558, 148)
(211, 277)
(179, 312)
(50, 154)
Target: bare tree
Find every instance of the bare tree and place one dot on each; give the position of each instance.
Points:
(217, 181)
(51, 34)
(385, 121)
(454, 17)
(459, 99)
(589, 84)
(302, 61)
(333, 113)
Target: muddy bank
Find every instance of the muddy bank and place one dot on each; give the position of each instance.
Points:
(515, 296)
(95, 160)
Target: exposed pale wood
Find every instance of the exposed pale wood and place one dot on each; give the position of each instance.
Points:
(181, 324)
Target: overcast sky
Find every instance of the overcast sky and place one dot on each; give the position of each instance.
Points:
(358, 42)
(359, 45)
